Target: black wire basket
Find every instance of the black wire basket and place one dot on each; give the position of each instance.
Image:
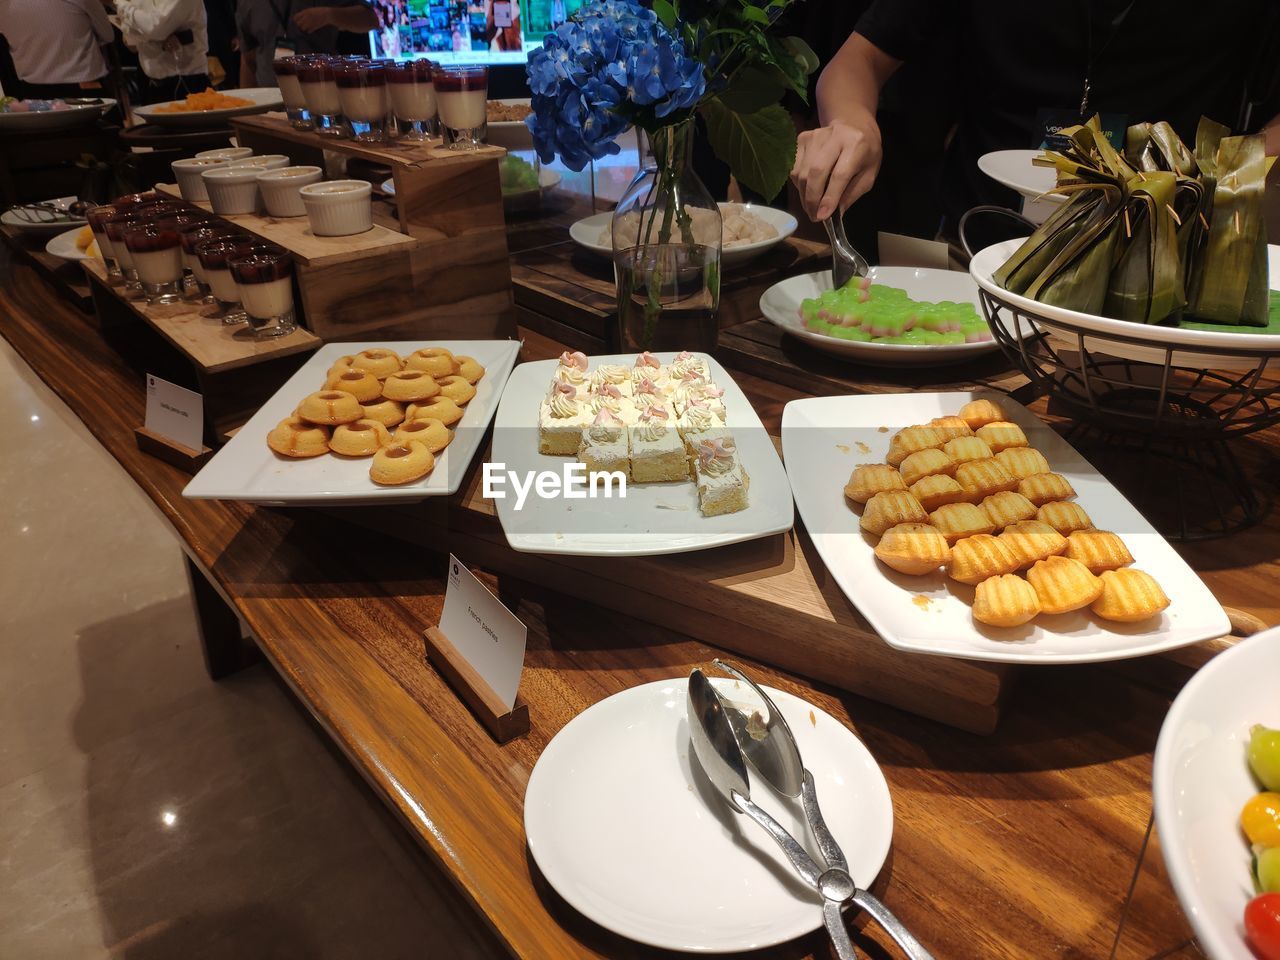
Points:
(1159, 416)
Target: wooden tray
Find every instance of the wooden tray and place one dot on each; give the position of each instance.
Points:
(63, 275)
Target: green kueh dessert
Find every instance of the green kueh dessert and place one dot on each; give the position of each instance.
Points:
(878, 313)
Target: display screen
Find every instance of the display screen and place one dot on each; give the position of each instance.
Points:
(458, 31)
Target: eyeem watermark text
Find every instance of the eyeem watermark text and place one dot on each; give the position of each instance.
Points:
(572, 482)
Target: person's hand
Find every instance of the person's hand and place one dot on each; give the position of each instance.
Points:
(313, 18)
(835, 165)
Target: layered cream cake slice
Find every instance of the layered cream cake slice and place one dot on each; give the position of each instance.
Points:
(697, 422)
(605, 446)
(561, 418)
(610, 397)
(612, 376)
(657, 452)
(722, 480)
(686, 367)
(705, 393)
(572, 369)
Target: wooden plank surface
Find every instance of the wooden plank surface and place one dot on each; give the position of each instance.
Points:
(63, 275)
(1022, 844)
(210, 344)
(295, 235)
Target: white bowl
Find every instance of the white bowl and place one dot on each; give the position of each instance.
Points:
(225, 153)
(279, 189)
(188, 173)
(338, 208)
(262, 161)
(587, 231)
(1200, 780)
(232, 189)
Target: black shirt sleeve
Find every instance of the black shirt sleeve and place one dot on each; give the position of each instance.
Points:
(904, 28)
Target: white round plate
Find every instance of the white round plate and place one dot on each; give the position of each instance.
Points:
(64, 246)
(986, 262)
(624, 825)
(1200, 780)
(548, 179)
(781, 305)
(10, 218)
(512, 134)
(46, 120)
(586, 234)
(1014, 169)
(264, 99)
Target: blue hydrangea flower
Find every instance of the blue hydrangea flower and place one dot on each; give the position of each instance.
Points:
(611, 65)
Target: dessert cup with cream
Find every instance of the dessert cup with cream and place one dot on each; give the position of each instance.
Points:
(184, 220)
(279, 189)
(188, 174)
(339, 208)
(156, 253)
(215, 257)
(233, 187)
(97, 218)
(295, 104)
(461, 95)
(362, 92)
(413, 98)
(264, 279)
(320, 93)
(190, 238)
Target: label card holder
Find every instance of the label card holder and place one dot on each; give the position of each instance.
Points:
(479, 649)
(175, 413)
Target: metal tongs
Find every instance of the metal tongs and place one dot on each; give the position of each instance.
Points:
(846, 262)
(724, 738)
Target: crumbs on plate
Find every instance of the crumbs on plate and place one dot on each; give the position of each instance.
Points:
(813, 718)
(842, 447)
(921, 601)
(862, 447)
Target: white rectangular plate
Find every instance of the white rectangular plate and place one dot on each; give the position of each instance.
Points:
(654, 519)
(246, 469)
(824, 438)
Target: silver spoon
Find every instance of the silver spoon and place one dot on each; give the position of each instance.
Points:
(717, 750)
(846, 262)
(776, 757)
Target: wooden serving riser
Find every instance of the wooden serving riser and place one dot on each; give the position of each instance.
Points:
(233, 371)
(435, 268)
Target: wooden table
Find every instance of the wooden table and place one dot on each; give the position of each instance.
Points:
(1032, 842)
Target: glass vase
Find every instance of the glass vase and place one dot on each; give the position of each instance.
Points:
(666, 251)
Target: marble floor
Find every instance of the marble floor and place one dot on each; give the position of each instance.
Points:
(145, 811)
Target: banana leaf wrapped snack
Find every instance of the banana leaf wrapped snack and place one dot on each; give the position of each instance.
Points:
(1153, 233)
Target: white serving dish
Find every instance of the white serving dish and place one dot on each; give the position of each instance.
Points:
(264, 99)
(47, 120)
(512, 134)
(225, 153)
(338, 208)
(780, 305)
(1200, 780)
(189, 172)
(1014, 169)
(279, 189)
(10, 218)
(64, 246)
(232, 189)
(1183, 341)
(824, 438)
(624, 825)
(586, 234)
(246, 469)
(654, 518)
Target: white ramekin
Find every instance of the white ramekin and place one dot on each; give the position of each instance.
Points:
(262, 161)
(226, 153)
(232, 189)
(338, 208)
(279, 189)
(188, 174)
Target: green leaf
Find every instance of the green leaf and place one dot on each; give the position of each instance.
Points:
(792, 67)
(755, 15)
(753, 88)
(666, 13)
(803, 53)
(759, 147)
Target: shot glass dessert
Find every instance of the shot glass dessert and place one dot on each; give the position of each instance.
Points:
(279, 189)
(263, 276)
(184, 220)
(295, 104)
(339, 208)
(190, 238)
(215, 256)
(461, 92)
(97, 218)
(157, 257)
(115, 228)
(362, 92)
(413, 98)
(320, 93)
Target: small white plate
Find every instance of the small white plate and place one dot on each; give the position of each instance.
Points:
(624, 825)
(781, 306)
(1200, 780)
(824, 438)
(264, 99)
(11, 218)
(654, 518)
(1014, 169)
(64, 246)
(586, 234)
(246, 469)
(46, 120)
(1184, 341)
